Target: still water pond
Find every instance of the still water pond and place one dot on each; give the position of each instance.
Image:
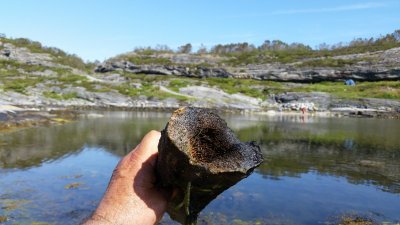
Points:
(316, 169)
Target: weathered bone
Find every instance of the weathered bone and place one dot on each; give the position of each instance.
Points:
(200, 157)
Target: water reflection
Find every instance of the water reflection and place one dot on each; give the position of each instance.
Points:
(313, 166)
(363, 151)
(117, 132)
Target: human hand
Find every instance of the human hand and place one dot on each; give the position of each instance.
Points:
(131, 196)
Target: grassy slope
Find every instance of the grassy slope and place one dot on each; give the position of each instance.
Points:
(58, 55)
(17, 77)
(261, 89)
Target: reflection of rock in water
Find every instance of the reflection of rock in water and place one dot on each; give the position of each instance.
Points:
(364, 151)
(363, 166)
(200, 157)
(33, 146)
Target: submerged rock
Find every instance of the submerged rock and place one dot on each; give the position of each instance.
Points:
(200, 157)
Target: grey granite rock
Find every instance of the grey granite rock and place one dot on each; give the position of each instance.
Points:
(195, 71)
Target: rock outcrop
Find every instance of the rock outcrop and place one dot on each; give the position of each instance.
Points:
(33, 78)
(374, 66)
(281, 72)
(23, 55)
(192, 71)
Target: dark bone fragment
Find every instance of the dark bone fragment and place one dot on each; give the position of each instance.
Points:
(200, 157)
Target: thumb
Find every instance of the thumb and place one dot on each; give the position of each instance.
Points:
(142, 156)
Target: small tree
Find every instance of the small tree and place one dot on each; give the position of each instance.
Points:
(265, 46)
(323, 46)
(202, 49)
(396, 35)
(163, 48)
(185, 48)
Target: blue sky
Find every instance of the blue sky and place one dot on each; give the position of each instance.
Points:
(103, 28)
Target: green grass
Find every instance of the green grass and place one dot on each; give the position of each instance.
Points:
(72, 78)
(128, 90)
(53, 95)
(143, 60)
(262, 89)
(154, 92)
(21, 84)
(29, 68)
(150, 51)
(144, 77)
(272, 56)
(252, 88)
(59, 55)
(177, 83)
(381, 89)
(149, 90)
(4, 73)
(330, 62)
(290, 56)
(13, 64)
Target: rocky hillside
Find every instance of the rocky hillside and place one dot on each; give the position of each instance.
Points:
(371, 66)
(35, 76)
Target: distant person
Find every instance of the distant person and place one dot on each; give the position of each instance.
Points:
(131, 196)
(350, 82)
(303, 109)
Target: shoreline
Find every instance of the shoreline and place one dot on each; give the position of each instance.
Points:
(333, 112)
(15, 117)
